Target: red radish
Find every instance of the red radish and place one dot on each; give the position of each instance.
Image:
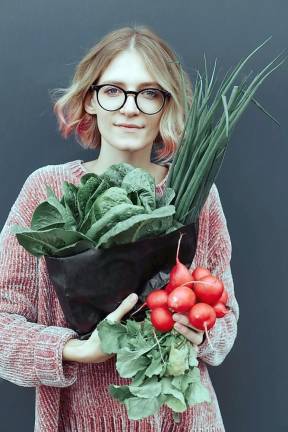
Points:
(157, 298)
(202, 316)
(200, 272)
(181, 299)
(168, 288)
(208, 289)
(161, 319)
(179, 274)
(220, 310)
(224, 297)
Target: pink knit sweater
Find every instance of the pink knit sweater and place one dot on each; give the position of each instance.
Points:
(71, 396)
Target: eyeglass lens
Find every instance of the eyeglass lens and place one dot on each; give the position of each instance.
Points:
(112, 98)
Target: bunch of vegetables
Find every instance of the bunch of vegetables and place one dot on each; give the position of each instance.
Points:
(163, 368)
(199, 295)
(116, 207)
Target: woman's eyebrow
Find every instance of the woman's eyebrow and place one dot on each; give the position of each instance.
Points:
(144, 84)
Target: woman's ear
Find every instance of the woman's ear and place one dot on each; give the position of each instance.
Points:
(88, 106)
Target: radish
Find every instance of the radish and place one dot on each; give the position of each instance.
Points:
(157, 298)
(200, 272)
(208, 289)
(224, 297)
(181, 299)
(202, 316)
(168, 288)
(220, 309)
(179, 274)
(161, 319)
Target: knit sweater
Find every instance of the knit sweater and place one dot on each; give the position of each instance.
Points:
(72, 396)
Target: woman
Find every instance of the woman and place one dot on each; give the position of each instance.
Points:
(125, 98)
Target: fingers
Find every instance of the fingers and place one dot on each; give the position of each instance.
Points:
(127, 304)
(183, 326)
(183, 319)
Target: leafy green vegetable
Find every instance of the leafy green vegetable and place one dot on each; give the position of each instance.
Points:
(117, 207)
(139, 226)
(113, 218)
(162, 368)
(178, 360)
(54, 242)
(204, 140)
(141, 184)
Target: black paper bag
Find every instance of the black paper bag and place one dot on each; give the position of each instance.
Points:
(93, 283)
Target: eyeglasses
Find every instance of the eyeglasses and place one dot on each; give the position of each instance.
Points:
(112, 98)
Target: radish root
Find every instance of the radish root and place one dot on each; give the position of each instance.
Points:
(159, 347)
(208, 338)
(144, 304)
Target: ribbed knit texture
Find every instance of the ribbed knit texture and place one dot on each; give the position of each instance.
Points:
(71, 396)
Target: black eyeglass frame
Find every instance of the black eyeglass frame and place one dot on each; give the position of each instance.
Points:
(97, 87)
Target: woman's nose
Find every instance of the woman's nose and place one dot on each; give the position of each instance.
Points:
(130, 105)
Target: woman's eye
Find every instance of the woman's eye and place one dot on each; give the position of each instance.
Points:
(150, 93)
(112, 91)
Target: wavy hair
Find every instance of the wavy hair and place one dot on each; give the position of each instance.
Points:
(160, 60)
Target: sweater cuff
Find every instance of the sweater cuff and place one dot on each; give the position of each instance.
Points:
(50, 369)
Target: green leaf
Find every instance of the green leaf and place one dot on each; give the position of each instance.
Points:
(109, 199)
(176, 399)
(197, 393)
(182, 382)
(138, 227)
(139, 378)
(84, 192)
(111, 335)
(192, 356)
(74, 248)
(102, 187)
(108, 222)
(166, 198)
(115, 173)
(178, 360)
(139, 408)
(150, 388)
(130, 362)
(46, 216)
(133, 328)
(70, 199)
(176, 404)
(142, 183)
(120, 392)
(156, 366)
(47, 242)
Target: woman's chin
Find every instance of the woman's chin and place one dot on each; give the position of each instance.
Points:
(128, 145)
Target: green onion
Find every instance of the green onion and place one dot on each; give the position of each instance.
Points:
(206, 134)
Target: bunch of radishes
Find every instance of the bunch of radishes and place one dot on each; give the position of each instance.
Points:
(199, 295)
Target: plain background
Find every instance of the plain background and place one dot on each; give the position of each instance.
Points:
(40, 44)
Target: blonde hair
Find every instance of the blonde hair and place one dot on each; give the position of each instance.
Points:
(160, 61)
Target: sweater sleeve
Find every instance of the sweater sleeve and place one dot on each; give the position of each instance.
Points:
(224, 332)
(30, 353)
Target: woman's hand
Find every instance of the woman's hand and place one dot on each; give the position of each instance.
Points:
(89, 351)
(184, 327)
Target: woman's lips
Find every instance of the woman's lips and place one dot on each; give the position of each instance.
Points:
(129, 128)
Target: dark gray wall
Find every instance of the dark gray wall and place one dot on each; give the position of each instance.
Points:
(41, 42)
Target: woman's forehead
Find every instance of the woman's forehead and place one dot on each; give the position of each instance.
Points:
(128, 69)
